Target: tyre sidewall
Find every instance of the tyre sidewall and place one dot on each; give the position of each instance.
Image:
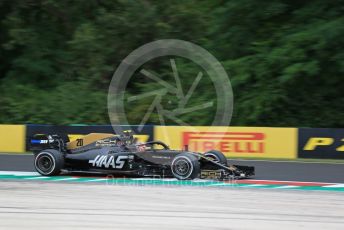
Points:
(194, 166)
(218, 155)
(57, 159)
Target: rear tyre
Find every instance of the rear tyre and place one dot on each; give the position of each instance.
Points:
(185, 166)
(49, 162)
(216, 156)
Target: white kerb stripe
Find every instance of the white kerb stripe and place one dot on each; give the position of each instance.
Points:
(95, 180)
(288, 186)
(254, 185)
(37, 177)
(64, 179)
(220, 184)
(334, 186)
(19, 173)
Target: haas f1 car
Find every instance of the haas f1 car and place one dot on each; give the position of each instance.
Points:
(120, 155)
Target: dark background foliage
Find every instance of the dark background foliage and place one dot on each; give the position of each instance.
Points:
(285, 57)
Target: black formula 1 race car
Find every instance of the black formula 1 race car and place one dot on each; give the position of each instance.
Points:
(120, 155)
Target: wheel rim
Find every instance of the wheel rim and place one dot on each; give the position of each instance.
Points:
(45, 163)
(182, 167)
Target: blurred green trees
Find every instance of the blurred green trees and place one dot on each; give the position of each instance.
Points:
(285, 58)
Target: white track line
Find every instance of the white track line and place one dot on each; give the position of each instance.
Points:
(287, 186)
(144, 179)
(201, 180)
(334, 186)
(65, 179)
(95, 180)
(169, 179)
(254, 185)
(37, 177)
(220, 184)
(288, 181)
(19, 173)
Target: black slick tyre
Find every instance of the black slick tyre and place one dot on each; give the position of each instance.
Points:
(49, 162)
(216, 156)
(185, 166)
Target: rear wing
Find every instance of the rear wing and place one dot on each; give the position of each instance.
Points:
(41, 142)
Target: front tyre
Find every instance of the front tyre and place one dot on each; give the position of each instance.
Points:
(185, 166)
(216, 156)
(49, 162)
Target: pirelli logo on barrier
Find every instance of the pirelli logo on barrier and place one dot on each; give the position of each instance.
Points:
(255, 142)
(318, 142)
(226, 142)
(321, 143)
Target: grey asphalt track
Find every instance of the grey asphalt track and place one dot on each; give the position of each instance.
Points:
(265, 170)
(42, 205)
(55, 206)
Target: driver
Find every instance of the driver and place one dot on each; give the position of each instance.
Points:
(141, 147)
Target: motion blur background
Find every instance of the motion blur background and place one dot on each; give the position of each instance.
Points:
(285, 57)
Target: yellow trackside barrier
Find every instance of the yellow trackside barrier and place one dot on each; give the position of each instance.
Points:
(12, 138)
(253, 142)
